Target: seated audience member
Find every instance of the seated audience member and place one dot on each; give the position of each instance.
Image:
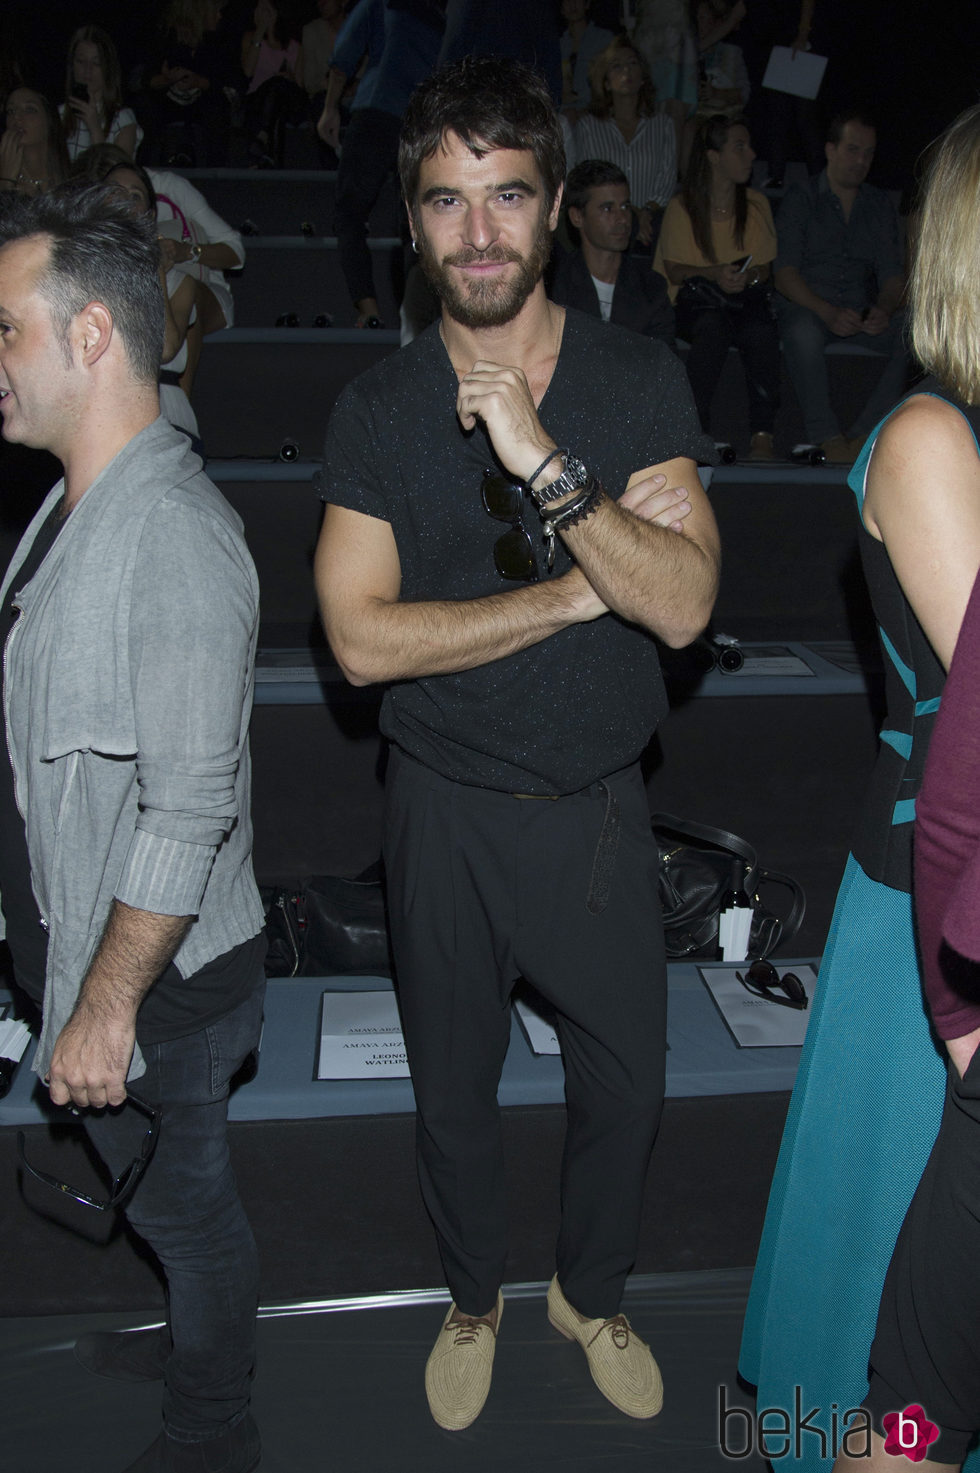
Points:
(624, 126)
(840, 277)
(33, 158)
(272, 60)
(134, 184)
(187, 108)
(196, 242)
(716, 249)
(599, 277)
(93, 110)
(725, 85)
(580, 43)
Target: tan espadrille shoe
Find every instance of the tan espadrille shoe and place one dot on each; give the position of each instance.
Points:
(457, 1373)
(621, 1363)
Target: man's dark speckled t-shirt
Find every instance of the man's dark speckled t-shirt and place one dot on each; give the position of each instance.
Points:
(555, 717)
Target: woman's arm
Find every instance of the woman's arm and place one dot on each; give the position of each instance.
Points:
(126, 139)
(922, 500)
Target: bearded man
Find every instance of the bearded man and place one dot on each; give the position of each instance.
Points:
(513, 515)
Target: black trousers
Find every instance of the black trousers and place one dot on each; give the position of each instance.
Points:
(369, 154)
(926, 1348)
(484, 887)
(748, 325)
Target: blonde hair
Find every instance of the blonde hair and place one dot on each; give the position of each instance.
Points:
(601, 105)
(945, 288)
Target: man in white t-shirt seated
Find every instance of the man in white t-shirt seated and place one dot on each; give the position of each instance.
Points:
(599, 276)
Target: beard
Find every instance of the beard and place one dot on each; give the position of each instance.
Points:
(492, 302)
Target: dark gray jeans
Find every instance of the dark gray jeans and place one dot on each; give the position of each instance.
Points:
(188, 1210)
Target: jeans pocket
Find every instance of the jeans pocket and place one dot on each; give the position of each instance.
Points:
(232, 1039)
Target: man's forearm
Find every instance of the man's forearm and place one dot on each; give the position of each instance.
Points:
(136, 946)
(336, 82)
(664, 582)
(93, 1052)
(790, 284)
(404, 641)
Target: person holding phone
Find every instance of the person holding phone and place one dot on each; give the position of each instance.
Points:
(93, 111)
(716, 247)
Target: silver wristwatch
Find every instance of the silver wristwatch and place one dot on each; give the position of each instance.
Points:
(572, 478)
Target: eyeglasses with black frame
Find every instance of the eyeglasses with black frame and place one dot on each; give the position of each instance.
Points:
(513, 553)
(128, 1179)
(762, 978)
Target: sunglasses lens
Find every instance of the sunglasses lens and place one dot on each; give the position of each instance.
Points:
(502, 499)
(513, 555)
(763, 974)
(794, 988)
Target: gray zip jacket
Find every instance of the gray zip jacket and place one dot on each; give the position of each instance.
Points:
(128, 690)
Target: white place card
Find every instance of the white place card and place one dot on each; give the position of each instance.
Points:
(361, 1037)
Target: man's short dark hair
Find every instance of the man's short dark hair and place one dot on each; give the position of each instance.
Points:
(588, 175)
(99, 253)
(489, 102)
(837, 124)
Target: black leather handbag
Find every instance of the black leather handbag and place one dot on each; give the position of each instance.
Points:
(696, 870)
(331, 927)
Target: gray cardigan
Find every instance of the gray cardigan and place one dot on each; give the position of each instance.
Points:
(128, 691)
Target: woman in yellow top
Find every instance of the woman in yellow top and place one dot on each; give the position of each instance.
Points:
(715, 249)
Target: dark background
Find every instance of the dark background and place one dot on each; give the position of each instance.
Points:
(913, 65)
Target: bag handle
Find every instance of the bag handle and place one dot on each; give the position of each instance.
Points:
(720, 838)
(793, 922)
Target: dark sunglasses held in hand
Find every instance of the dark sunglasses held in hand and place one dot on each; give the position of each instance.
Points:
(128, 1179)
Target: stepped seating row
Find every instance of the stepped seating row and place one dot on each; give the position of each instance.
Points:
(791, 568)
(280, 202)
(258, 386)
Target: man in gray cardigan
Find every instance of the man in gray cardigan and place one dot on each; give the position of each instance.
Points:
(125, 876)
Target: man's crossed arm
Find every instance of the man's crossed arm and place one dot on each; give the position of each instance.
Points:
(653, 557)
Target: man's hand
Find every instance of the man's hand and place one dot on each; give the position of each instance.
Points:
(843, 322)
(94, 1050)
(328, 126)
(652, 500)
(876, 321)
(500, 397)
(91, 1059)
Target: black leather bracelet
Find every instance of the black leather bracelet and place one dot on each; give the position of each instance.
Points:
(578, 509)
(558, 450)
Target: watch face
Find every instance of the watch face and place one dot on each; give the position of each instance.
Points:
(572, 478)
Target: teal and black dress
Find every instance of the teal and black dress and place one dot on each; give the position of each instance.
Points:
(869, 1092)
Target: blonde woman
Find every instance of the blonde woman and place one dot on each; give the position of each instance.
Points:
(869, 1092)
(624, 126)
